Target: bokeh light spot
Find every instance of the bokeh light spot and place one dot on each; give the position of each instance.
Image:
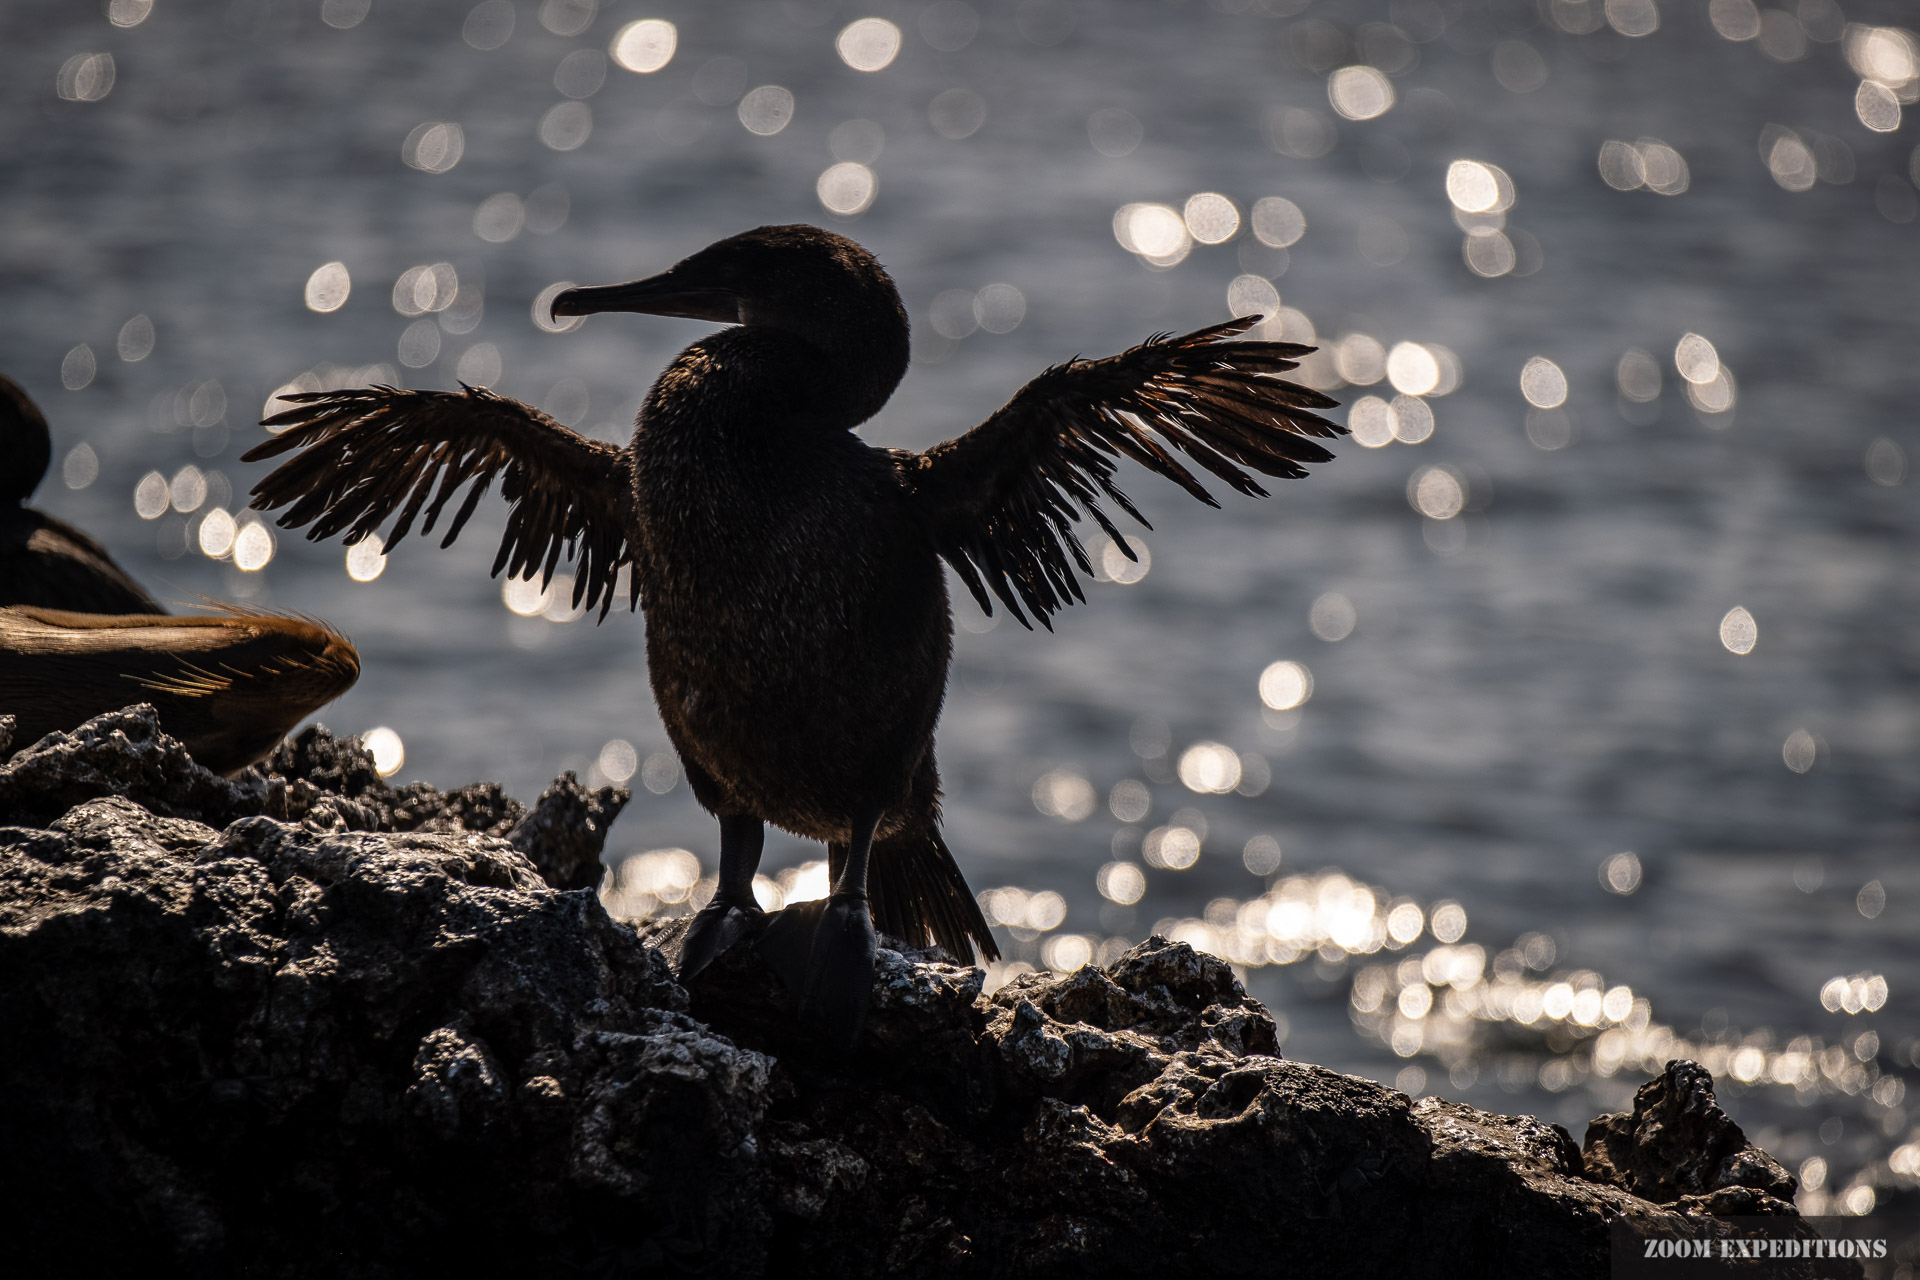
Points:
(1886, 462)
(1361, 359)
(1620, 874)
(1633, 18)
(1155, 232)
(1519, 67)
(766, 110)
(1065, 795)
(388, 751)
(957, 113)
(489, 24)
(1251, 295)
(1412, 419)
(868, 44)
(80, 468)
(217, 532)
(847, 189)
(1474, 186)
(1285, 685)
(1696, 359)
(1738, 631)
(434, 147)
(618, 760)
(645, 46)
(1371, 422)
(328, 287)
(1489, 253)
(568, 17)
(367, 559)
(1412, 369)
(542, 312)
(1638, 376)
(566, 126)
(253, 547)
(1736, 20)
(999, 308)
(151, 496)
(1116, 566)
(1360, 92)
(85, 77)
(77, 367)
(1438, 493)
(1210, 768)
(188, 489)
(1121, 882)
(1261, 855)
(135, 340)
(1211, 218)
(1278, 222)
(1332, 617)
(581, 73)
(1800, 752)
(1543, 384)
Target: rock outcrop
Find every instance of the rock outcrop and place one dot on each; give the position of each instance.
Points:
(322, 782)
(305, 1025)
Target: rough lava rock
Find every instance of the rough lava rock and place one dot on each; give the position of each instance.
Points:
(305, 1025)
(322, 782)
(1678, 1144)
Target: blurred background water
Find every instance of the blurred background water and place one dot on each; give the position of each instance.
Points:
(1563, 724)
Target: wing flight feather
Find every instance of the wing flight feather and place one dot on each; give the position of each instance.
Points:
(1002, 499)
(369, 453)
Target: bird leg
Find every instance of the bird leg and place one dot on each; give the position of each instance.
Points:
(823, 950)
(722, 921)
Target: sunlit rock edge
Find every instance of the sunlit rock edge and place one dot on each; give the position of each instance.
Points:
(305, 1024)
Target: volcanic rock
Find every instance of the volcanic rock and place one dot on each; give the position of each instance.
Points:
(306, 1025)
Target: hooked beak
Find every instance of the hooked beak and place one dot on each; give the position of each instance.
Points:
(666, 294)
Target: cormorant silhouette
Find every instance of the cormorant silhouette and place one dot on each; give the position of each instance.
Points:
(798, 630)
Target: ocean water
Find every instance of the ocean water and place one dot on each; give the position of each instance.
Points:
(1600, 742)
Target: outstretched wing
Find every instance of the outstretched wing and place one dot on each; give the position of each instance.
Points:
(1001, 499)
(373, 451)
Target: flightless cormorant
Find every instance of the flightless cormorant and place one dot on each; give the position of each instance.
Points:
(798, 631)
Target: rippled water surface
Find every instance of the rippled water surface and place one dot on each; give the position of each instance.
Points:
(1600, 741)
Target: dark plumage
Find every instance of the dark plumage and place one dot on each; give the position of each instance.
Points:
(798, 630)
(44, 561)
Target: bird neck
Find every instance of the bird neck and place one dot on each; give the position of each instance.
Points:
(761, 379)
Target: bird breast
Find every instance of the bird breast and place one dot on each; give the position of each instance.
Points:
(763, 555)
(797, 626)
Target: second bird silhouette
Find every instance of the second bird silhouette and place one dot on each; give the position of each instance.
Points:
(797, 623)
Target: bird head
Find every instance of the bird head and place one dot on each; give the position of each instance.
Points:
(791, 277)
(800, 280)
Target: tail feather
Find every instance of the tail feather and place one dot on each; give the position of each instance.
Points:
(916, 892)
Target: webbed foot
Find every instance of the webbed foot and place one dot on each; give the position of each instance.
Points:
(716, 926)
(823, 952)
